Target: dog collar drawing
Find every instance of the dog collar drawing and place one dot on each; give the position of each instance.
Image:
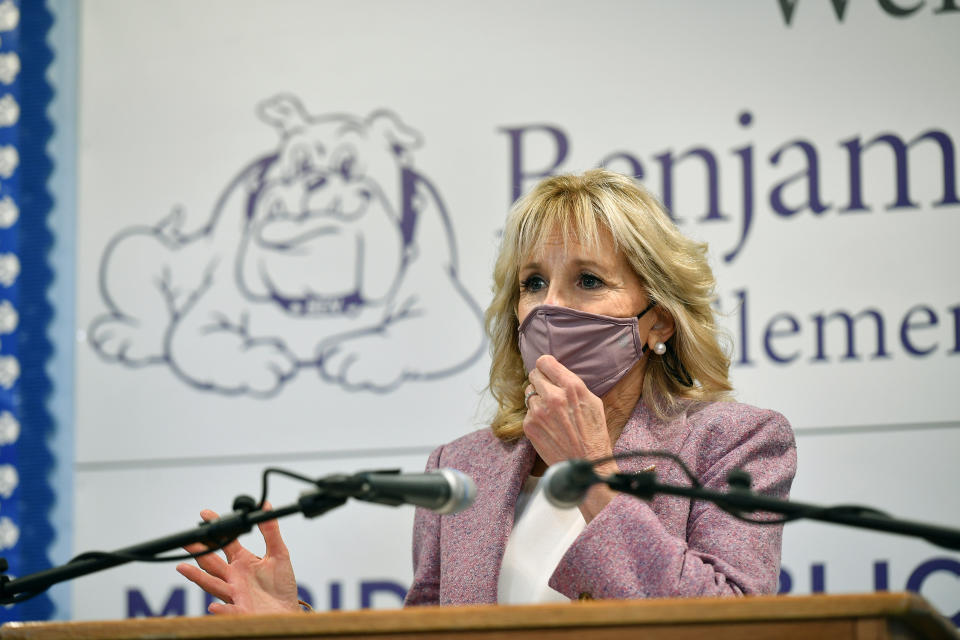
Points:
(332, 253)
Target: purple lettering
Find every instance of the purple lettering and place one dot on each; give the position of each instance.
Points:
(811, 174)
(746, 172)
(785, 583)
(174, 606)
(519, 175)
(304, 594)
(370, 587)
(855, 150)
(667, 161)
(773, 332)
(336, 601)
(908, 325)
(921, 573)
(744, 354)
(956, 328)
(818, 582)
(881, 575)
(851, 352)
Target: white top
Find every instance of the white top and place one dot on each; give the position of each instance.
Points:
(541, 534)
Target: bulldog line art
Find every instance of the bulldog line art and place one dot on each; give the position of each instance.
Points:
(331, 253)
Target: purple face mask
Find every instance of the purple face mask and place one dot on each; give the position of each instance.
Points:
(599, 349)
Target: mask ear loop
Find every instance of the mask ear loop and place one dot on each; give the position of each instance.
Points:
(643, 347)
(670, 360)
(644, 312)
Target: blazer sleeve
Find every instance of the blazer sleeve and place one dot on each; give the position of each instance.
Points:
(425, 589)
(626, 552)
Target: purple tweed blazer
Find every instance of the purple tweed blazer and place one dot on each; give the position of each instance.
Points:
(667, 547)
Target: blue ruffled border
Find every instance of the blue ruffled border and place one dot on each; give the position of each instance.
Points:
(34, 460)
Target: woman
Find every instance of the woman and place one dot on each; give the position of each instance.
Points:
(603, 341)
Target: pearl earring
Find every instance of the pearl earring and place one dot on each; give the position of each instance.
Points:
(659, 348)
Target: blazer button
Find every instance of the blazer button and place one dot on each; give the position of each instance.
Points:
(584, 596)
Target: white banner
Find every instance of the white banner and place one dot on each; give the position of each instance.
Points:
(225, 328)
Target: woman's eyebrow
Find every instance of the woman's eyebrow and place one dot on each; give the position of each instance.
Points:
(582, 262)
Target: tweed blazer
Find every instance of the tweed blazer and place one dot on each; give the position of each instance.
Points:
(633, 548)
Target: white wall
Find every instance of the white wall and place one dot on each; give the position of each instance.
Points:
(168, 99)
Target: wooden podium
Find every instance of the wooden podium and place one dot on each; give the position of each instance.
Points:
(860, 617)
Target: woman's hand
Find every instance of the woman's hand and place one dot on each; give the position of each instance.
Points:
(245, 582)
(564, 420)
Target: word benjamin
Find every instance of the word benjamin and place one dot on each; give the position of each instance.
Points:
(806, 180)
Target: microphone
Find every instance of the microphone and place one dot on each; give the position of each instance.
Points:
(565, 484)
(444, 490)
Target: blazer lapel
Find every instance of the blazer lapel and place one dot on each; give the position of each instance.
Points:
(644, 431)
(485, 527)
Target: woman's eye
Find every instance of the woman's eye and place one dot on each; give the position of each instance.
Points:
(533, 283)
(588, 281)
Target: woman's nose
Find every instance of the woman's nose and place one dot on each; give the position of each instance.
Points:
(555, 297)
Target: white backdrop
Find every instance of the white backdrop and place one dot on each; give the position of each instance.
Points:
(178, 100)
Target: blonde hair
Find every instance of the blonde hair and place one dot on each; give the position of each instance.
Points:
(673, 269)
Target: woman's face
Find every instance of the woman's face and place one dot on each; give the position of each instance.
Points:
(583, 277)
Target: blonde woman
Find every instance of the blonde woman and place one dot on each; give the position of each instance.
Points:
(603, 341)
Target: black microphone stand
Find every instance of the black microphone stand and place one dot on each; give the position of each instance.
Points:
(214, 534)
(740, 499)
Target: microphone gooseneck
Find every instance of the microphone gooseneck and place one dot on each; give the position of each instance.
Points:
(443, 490)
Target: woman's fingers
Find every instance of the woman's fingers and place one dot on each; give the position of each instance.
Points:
(196, 547)
(211, 584)
(232, 549)
(209, 515)
(270, 530)
(544, 387)
(554, 382)
(555, 403)
(220, 608)
(564, 420)
(213, 564)
(244, 581)
(210, 562)
(557, 374)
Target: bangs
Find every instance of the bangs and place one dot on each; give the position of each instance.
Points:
(571, 214)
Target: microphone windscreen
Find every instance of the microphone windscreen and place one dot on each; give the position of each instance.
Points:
(565, 484)
(463, 491)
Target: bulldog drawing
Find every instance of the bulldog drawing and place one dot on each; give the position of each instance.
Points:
(332, 253)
